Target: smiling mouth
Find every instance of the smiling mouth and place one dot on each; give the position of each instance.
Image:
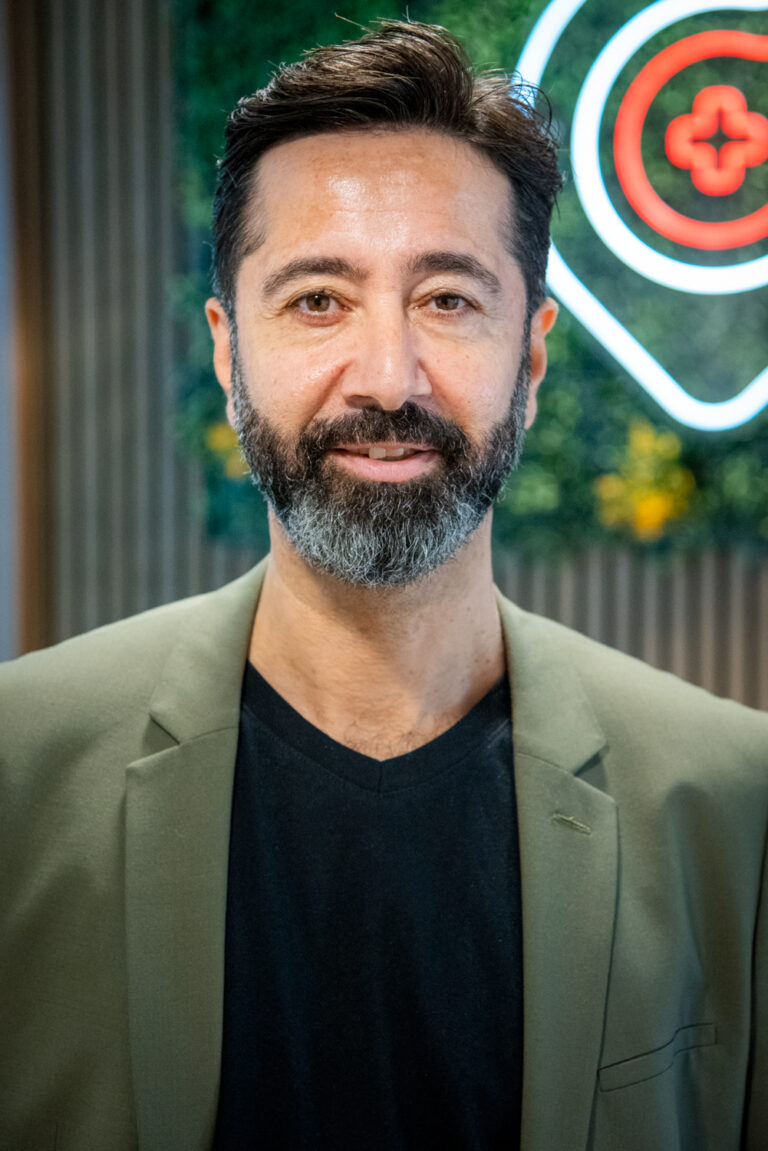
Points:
(384, 451)
(388, 462)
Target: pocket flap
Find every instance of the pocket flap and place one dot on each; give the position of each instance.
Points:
(656, 1062)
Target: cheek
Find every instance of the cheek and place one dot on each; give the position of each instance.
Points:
(474, 387)
(289, 384)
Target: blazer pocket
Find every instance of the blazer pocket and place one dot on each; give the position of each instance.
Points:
(656, 1062)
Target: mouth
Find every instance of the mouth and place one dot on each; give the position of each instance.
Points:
(385, 461)
(385, 451)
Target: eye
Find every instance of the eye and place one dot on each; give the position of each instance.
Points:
(447, 302)
(448, 306)
(317, 301)
(318, 306)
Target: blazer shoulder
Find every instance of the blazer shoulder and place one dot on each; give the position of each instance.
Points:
(630, 696)
(91, 677)
(92, 681)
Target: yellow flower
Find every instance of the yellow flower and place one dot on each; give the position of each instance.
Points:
(642, 438)
(650, 489)
(221, 438)
(222, 441)
(651, 513)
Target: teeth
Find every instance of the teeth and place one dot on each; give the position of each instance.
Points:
(377, 452)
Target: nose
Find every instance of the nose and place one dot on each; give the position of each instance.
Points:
(387, 368)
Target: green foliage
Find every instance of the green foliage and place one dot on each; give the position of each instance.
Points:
(587, 405)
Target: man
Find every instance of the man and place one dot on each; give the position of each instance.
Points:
(353, 853)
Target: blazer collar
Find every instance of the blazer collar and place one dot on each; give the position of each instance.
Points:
(199, 690)
(553, 717)
(178, 802)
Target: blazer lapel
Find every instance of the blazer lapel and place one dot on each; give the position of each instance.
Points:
(178, 801)
(569, 870)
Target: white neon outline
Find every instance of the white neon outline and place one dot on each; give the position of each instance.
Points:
(610, 332)
(706, 415)
(585, 161)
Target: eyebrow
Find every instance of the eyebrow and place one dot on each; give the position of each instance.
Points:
(312, 266)
(457, 262)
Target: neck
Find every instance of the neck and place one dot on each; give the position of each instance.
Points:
(381, 670)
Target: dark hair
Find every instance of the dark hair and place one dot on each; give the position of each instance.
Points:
(402, 75)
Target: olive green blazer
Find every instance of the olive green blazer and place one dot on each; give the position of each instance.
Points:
(643, 808)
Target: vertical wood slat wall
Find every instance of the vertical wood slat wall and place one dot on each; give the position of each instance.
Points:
(703, 617)
(121, 517)
(123, 532)
(9, 496)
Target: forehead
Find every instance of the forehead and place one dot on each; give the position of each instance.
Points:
(387, 189)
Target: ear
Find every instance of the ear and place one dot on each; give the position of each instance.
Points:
(542, 322)
(222, 349)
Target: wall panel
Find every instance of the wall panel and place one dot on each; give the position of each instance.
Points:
(122, 528)
(703, 617)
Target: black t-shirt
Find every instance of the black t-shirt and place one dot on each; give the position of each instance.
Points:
(373, 980)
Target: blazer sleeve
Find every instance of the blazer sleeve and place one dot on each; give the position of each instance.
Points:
(756, 1126)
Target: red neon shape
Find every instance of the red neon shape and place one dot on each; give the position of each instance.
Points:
(627, 142)
(718, 172)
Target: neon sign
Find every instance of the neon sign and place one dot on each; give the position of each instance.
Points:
(715, 171)
(685, 141)
(719, 172)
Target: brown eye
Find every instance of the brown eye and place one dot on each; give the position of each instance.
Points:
(448, 303)
(318, 302)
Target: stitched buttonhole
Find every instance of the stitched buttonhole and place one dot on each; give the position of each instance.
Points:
(572, 822)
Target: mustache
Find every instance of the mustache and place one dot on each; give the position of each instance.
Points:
(409, 424)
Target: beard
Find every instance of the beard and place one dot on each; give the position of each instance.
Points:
(372, 533)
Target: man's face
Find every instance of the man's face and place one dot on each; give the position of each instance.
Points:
(381, 372)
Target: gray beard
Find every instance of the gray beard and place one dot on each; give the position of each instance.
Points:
(379, 534)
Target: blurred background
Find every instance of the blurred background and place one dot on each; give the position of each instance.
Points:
(121, 485)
